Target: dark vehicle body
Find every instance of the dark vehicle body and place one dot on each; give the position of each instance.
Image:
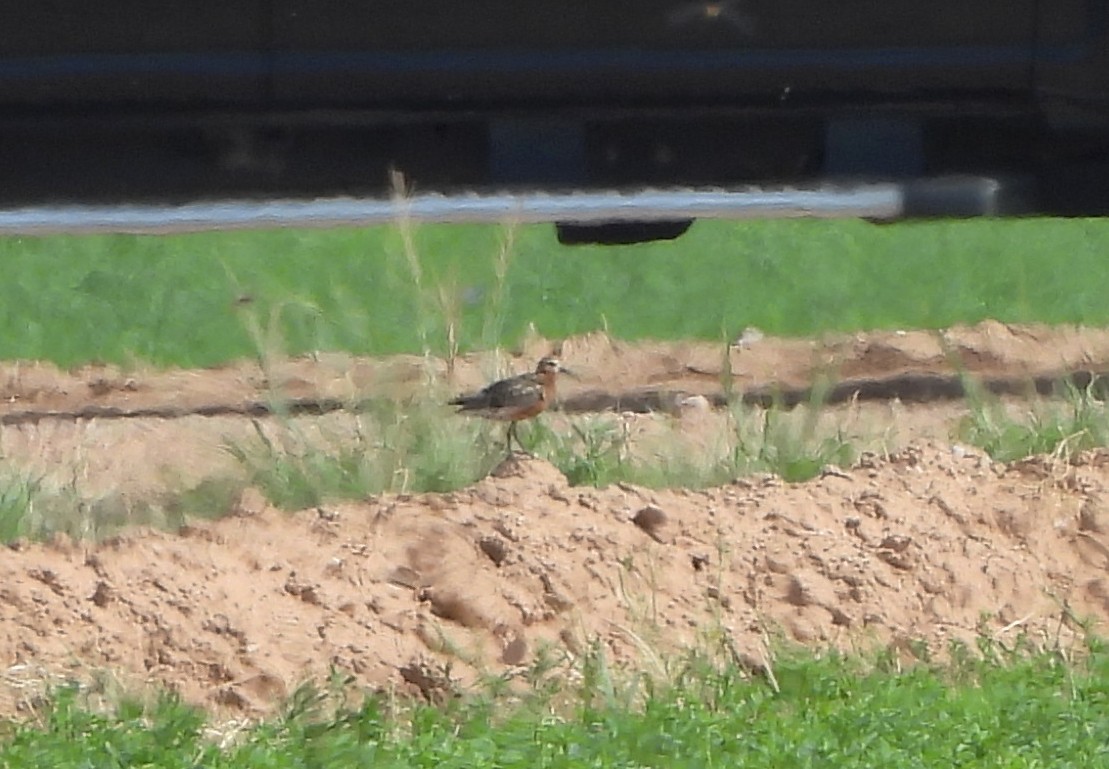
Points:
(163, 100)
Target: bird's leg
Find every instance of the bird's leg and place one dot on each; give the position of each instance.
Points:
(511, 435)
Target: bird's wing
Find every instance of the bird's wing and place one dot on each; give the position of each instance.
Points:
(518, 392)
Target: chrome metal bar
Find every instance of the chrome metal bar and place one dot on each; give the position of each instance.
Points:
(874, 201)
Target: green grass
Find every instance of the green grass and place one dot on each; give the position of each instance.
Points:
(417, 446)
(420, 446)
(183, 299)
(1010, 710)
(411, 447)
(596, 451)
(32, 509)
(205, 299)
(18, 495)
(1075, 420)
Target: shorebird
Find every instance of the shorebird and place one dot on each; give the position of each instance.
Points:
(516, 398)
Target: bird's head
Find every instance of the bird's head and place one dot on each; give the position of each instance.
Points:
(550, 365)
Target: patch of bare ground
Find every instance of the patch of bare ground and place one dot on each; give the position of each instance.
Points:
(923, 540)
(928, 544)
(100, 429)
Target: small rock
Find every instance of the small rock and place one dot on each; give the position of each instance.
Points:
(694, 404)
(810, 589)
(896, 542)
(714, 593)
(650, 520)
(402, 576)
(750, 337)
(1091, 518)
(515, 651)
(304, 591)
(897, 559)
(569, 640)
(103, 594)
(554, 597)
(494, 548)
(434, 686)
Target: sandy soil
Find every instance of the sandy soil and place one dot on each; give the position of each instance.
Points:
(924, 540)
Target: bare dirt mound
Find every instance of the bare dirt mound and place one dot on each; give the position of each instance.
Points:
(933, 542)
(929, 544)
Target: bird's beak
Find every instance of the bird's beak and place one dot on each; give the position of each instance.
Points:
(563, 370)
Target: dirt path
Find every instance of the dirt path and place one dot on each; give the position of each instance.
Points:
(103, 430)
(932, 542)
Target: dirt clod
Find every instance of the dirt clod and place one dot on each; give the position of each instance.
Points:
(49, 578)
(435, 687)
(1092, 517)
(651, 520)
(304, 591)
(515, 651)
(494, 548)
(102, 595)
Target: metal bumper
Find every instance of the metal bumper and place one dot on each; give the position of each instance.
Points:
(882, 201)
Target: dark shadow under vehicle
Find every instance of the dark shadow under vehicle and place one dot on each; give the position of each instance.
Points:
(976, 107)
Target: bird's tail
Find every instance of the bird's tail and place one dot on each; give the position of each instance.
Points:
(465, 401)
